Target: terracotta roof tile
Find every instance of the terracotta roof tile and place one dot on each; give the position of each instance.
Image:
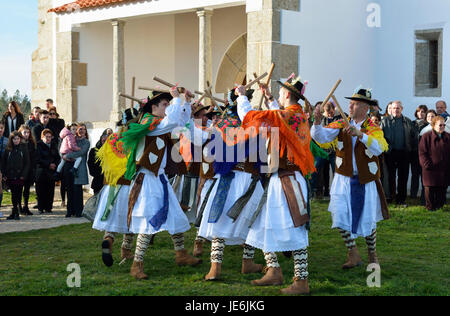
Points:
(85, 4)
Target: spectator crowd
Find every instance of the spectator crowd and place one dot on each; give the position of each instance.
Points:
(419, 149)
(43, 150)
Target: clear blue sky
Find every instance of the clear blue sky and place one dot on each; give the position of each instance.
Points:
(18, 40)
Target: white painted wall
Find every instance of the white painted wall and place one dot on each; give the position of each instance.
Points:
(95, 99)
(335, 42)
(395, 56)
(165, 46)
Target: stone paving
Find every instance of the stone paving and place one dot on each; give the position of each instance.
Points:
(37, 221)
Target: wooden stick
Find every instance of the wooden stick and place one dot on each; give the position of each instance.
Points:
(251, 83)
(133, 88)
(153, 89)
(267, 83)
(332, 92)
(208, 95)
(340, 110)
(217, 99)
(168, 84)
(126, 96)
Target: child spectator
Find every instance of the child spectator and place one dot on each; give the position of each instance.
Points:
(15, 167)
(69, 145)
(28, 139)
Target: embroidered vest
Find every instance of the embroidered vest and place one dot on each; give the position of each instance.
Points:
(367, 163)
(150, 154)
(207, 168)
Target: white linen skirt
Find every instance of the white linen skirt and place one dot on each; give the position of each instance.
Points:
(273, 230)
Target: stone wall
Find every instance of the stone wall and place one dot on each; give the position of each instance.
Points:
(264, 44)
(42, 57)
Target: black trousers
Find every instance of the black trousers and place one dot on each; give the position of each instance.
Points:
(74, 192)
(416, 173)
(45, 190)
(26, 192)
(69, 185)
(16, 195)
(398, 164)
(435, 197)
(62, 189)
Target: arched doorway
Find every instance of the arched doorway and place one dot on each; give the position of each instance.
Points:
(233, 66)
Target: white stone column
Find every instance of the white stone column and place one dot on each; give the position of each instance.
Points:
(205, 52)
(118, 69)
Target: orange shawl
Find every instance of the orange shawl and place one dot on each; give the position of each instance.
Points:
(294, 134)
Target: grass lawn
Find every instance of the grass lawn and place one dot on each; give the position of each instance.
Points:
(413, 248)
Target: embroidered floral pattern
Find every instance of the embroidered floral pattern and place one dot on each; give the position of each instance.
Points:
(117, 145)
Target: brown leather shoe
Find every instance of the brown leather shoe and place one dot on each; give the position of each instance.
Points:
(298, 287)
(107, 251)
(182, 258)
(137, 271)
(126, 254)
(353, 259)
(248, 266)
(273, 276)
(373, 257)
(198, 248)
(214, 272)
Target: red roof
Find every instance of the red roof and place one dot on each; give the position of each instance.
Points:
(85, 4)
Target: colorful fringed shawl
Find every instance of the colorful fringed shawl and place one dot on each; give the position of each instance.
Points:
(132, 138)
(372, 130)
(294, 135)
(113, 159)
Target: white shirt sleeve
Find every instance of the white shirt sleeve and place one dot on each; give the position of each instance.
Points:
(196, 135)
(185, 113)
(374, 147)
(171, 121)
(244, 106)
(323, 135)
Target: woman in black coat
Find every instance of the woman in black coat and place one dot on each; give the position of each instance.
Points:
(94, 167)
(28, 139)
(12, 119)
(15, 167)
(47, 159)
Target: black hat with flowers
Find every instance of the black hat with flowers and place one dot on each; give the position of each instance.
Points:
(364, 95)
(295, 86)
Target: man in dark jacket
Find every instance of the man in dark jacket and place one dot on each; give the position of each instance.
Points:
(47, 158)
(400, 134)
(44, 119)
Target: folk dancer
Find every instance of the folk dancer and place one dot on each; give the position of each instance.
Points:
(280, 220)
(357, 201)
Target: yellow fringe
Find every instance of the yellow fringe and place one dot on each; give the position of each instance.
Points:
(113, 166)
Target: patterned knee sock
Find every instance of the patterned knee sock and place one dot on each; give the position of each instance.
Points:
(271, 260)
(178, 241)
(127, 242)
(301, 264)
(198, 238)
(217, 248)
(249, 252)
(371, 241)
(110, 235)
(349, 242)
(141, 247)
